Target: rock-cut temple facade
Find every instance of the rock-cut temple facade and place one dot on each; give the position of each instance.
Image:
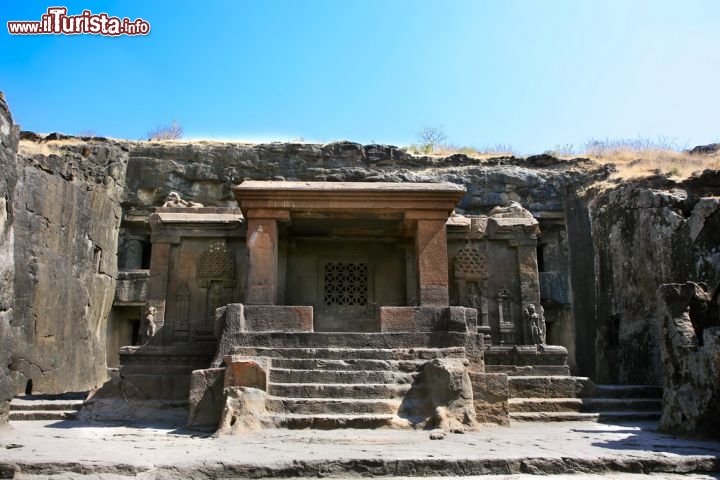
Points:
(329, 304)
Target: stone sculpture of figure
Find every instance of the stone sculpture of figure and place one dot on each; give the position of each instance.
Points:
(173, 200)
(149, 326)
(472, 298)
(536, 325)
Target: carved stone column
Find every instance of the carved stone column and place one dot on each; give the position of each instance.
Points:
(157, 285)
(262, 248)
(529, 281)
(432, 258)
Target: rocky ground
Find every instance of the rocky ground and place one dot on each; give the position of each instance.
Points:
(63, 450)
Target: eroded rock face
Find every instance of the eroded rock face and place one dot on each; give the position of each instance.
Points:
(207, 172)
(450, 393)
(243, 412)
(67, 215)
(8, 180)
(206, 397)
(644, 235)
(690, 331)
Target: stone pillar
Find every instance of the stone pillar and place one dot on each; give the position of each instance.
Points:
(529, 280)
(262, 248)
(157, 287)
(431, 256)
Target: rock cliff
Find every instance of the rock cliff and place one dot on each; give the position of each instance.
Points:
(66, 215)
(690, 342)
(8, 181)
(646, 234)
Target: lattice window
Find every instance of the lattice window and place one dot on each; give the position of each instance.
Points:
(346, 283)
(470, 262)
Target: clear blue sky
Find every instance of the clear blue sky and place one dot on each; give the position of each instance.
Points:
(532, 74)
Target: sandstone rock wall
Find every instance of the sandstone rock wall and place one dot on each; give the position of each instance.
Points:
(67, 215)
(8, 180)
(690, 331)
(646, 234)
(207, 171)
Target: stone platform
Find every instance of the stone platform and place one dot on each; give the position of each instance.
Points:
(78, 450)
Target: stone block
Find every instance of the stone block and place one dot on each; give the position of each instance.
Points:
(206, 399)
(449, 391)
(490, 397)
(243, 412)
(132, 287)
(427, 319)
(244, 371)
(278, 318)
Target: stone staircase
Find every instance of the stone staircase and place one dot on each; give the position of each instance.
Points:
(346, 387)
(566, 398)
(46, 407)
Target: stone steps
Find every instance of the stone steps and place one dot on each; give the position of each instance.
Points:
(629, 391)
(597, 404)
(590, 402)
(342, 387)
(329, 421)
(406, 366)
(333, 406)
(586, 405)
(289, 375)
(547, 386)
(583, 416)
(21, 415)
(530, 370)
(354, 354)
(43, 408)
(338, 390)
(539, 405)
(412, 341)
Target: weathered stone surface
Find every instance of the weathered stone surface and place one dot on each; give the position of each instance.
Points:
(646, 234)
(8, 181)
(450, 393)
(206, 398)
(66, 215)
(244, 411)
(279, 318)
(119, 400)
(690, 333)
(208, 171)
(490, 397)
(426, 319)
(131, 286)
(243, 371)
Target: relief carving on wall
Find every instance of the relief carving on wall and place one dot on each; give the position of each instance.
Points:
(470, 273)
(506, 323)
(216, 275)
(182, 304)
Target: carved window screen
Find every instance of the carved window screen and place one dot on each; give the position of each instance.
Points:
(346, 283)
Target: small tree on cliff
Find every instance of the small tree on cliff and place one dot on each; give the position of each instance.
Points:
(430, 137)
(173, 131)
